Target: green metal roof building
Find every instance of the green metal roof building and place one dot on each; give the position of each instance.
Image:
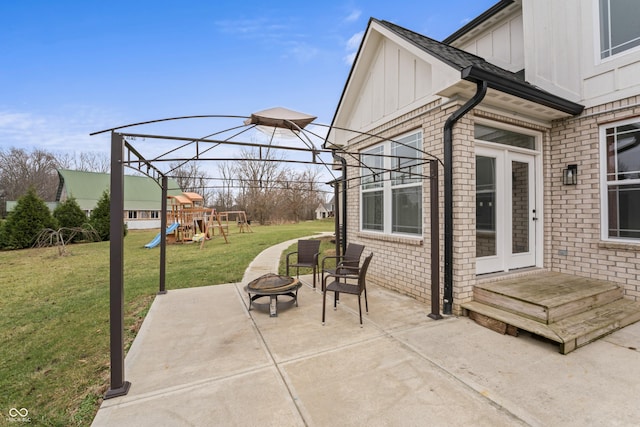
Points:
(142, 195)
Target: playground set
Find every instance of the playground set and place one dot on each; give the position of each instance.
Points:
(190, 221)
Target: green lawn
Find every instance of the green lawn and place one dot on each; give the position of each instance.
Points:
(54, 322)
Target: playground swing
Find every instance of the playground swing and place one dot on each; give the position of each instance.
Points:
(214, 221)
(240, 217)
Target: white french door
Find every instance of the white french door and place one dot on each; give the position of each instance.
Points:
(506, 217)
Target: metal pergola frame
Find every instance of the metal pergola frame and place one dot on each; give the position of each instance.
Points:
(124, 154)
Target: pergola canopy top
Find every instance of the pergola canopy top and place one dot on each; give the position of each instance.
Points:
(280, 117)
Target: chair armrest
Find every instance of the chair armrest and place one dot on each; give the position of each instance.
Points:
(351, 268)
(287, 261)
(341, 276)
(289, 254)
(336, 257)
(337, 277)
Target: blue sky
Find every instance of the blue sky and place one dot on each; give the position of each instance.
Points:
(72, 67)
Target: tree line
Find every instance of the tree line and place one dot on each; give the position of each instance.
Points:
(264, 185)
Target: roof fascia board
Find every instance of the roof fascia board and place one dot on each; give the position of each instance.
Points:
(521, 90)
(411, 46)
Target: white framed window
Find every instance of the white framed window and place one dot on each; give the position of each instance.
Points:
(372, 188)
(133, 215)
(620, 165)
(391, 186)
(619, 28)
(154, 214)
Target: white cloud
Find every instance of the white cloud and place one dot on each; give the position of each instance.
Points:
(354, 42)
(16, 122)
(302, 52)
(353, 16)
(352, 47)
(348, 59)
(250, 27)
(61, 132)
(257, 29)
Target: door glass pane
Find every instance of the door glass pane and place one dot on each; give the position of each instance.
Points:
(485, 206)
(520, 207)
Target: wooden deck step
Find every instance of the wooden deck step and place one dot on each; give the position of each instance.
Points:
(509, 318)
(571, 332)
(590, 325)
(548, 297)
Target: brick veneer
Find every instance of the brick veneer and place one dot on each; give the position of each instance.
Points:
(571, 213)
(574, 211)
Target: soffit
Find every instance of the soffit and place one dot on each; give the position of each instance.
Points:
(504, 101)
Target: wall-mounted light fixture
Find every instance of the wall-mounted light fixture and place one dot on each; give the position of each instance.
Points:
(570, 175)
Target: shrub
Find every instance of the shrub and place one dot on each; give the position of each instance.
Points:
(3, 236)
(70, 216)
(29, 217)
(100, 216)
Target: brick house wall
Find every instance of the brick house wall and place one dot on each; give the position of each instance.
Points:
(575, 243)
(571, 213)
(401, 262)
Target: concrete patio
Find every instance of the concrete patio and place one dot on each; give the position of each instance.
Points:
(201, 359)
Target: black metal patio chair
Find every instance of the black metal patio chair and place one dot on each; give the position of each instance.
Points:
(307, 256)
(341, 284)
(351, 258)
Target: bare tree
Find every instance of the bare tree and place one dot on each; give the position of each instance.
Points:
(303, 194)
(93, 162)
(191, 178)
(85, 161)
(66, 160)
(20, 170)
(259, 174)
(272, 192)
(224, 196)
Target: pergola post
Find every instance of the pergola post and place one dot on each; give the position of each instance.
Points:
(435, 241)
(336, 214)
(119, 386)
(343, 186)
(163, 236)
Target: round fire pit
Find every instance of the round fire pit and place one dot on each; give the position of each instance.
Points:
(272, 285)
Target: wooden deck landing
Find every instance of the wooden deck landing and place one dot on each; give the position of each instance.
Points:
(570, 310)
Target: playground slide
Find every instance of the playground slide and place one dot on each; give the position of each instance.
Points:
(156, 240)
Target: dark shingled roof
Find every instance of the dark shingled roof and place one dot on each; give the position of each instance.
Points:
(456, 58)
(474, 68)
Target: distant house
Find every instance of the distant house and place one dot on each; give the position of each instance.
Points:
(325, 210)
(142, 195)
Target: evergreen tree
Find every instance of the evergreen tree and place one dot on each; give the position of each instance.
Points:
(30, 216)
(100, 216)
(3, 235)
(69, 215)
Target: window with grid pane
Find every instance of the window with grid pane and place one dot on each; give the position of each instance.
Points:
(622, 148)
(391, 186)
(619, 26)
